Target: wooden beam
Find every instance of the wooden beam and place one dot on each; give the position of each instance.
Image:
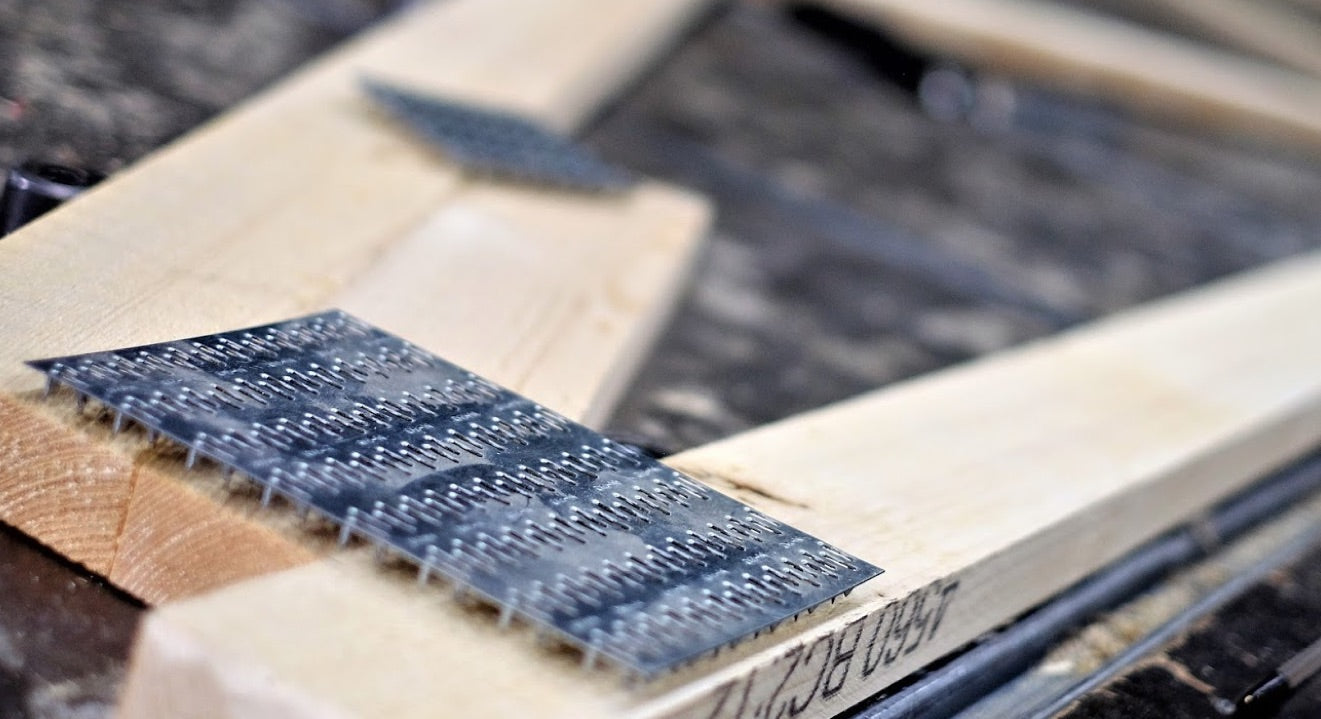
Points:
(303, 199)
(982, 490)
(1287, 35)
(1312, 6)
(1130, 65)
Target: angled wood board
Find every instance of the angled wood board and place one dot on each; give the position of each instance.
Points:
(983, 490)
(306, 198)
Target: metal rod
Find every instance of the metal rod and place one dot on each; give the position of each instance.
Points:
(973, 674)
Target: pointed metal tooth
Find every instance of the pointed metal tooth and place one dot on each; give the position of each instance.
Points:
(346, 529)
(267, 492)
(191, 460)
(118, 425)
(589, 656)
(50, 387)
(506, 615)
(428, 562)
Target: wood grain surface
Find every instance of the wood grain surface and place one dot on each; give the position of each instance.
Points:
(305, 198)
(1289, 36)
(982, 489)
(1154, 72)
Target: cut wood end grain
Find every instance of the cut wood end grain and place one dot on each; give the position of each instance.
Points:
(119, 506)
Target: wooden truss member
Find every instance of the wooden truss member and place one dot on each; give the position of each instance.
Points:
(1155, 72)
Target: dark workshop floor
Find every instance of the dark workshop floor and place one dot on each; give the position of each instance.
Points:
(1222, 655)
(859, 242)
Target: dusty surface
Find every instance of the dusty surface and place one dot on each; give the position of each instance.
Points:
(63, 636)
(99, 84)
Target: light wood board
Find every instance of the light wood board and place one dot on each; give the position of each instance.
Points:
(1287, 35)
(982, 490)
(1084, 51)
(306, 198)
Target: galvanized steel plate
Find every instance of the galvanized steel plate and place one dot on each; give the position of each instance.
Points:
(555, 524)
(499, 143)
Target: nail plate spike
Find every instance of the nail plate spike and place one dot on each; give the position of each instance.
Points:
(346, 529)
(424, 567)
(494, 144)
(590, 655)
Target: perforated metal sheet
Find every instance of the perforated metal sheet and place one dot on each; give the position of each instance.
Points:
(500, 143)
(555, 524)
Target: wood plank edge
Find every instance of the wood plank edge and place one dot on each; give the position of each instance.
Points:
(820, 665)
(649, 328)
(1145, 70)
(858, 653)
